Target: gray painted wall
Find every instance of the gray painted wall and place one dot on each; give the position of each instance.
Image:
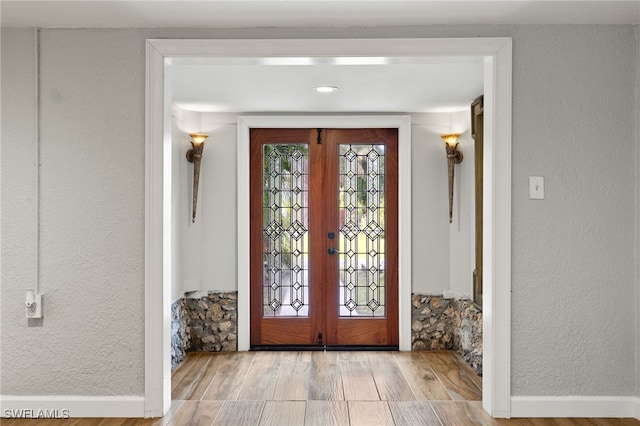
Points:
(91, 214)
(573, 254)
(573, 268)
(637, 189)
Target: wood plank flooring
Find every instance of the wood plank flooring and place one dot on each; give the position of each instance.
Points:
(324, 389)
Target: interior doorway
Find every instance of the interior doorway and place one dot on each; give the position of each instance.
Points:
(496, 245)
(324, 237)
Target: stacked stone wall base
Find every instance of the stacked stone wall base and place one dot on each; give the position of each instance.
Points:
(210, 324)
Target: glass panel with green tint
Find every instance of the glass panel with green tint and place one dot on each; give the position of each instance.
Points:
(285, 234)
(362, 230)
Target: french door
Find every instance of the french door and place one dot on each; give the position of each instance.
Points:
(324, 237)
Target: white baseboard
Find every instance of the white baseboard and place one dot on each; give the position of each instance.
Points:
(133, 406)
(12, 406)
(575, 406)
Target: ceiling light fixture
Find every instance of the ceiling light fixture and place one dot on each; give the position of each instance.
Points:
(325, 89)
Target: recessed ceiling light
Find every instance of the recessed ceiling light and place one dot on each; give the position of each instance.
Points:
(325, 89)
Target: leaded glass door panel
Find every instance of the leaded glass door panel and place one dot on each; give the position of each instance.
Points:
(363, 271)
(324, 237)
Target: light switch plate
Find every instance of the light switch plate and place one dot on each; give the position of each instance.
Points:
(536, 188)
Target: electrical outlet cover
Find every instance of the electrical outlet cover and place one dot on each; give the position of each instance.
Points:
(36, 310)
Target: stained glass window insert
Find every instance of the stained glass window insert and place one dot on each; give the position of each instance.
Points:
(362, 230)
(285, 213)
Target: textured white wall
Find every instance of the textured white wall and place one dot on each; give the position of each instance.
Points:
(91, 214)
(18, 191)
(573, 262)
(573, 253)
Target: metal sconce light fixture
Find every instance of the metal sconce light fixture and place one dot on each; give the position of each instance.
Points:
(454, 156)
(194, 155)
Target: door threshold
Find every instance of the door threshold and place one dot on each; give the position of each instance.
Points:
(322, 348)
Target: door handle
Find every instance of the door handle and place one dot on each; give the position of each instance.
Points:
(332, 251)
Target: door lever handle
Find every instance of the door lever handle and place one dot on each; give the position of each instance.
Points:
(333, 251)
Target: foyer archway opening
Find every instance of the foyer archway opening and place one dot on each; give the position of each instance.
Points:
(497, 54)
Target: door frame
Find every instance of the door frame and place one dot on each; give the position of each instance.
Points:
(497, 54)
(344, 121)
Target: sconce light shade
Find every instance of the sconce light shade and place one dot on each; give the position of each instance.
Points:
(198, 138)
(451, 139)
(454, 156)
(194, 155)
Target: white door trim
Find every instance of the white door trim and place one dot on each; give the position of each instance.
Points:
(497, 207)
(403, 124)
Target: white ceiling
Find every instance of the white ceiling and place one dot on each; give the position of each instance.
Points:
(314, 13)
(364, 85)
(378, 85)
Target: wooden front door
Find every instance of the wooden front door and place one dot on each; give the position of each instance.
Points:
(324, 237)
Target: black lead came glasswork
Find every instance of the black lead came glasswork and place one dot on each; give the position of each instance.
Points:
(362, 230)
(285, 230)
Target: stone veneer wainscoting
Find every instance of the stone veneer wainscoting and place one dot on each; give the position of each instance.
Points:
(447, 324)
(209, 324)
(205, 324)
(179, 337)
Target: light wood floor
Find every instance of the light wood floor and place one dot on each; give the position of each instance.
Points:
(325, 388)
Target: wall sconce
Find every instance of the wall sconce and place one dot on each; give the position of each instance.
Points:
(454, 156)
(194, 155)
